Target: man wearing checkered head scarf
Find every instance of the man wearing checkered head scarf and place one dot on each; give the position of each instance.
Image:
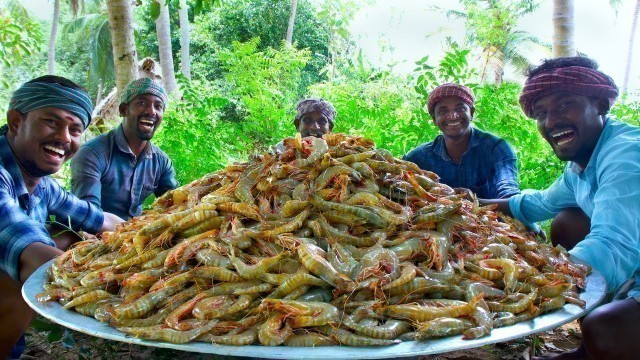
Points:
(595, 204)
(45, 122)
(314, 117)
(120, 169)
(463, 156)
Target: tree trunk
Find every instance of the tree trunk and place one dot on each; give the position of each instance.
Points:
(632, 35)
(51, 55)
(292, 20)
(563, 29)
(123, 43)
(164, 47)
(185, 65)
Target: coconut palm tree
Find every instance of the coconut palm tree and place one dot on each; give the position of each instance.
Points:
(183, 15)
(292, 18)
(632, 34)
(563, 28)
(123, 43)
(164, 46)
(93, 28)
(51, 55)
(491, 24)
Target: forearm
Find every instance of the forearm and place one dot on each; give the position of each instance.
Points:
(33, 256)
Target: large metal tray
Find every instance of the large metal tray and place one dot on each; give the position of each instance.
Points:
(594, 294)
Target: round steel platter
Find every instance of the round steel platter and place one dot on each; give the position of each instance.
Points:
(595, 292)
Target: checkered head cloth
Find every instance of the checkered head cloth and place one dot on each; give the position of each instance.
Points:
(315, 104)
(446, 90)
(143, 86)
(576, 79)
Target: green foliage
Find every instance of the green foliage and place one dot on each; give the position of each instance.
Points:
(454, 67)
(380, 109)
(241, 21)
(192, 136)
(498, 112)
(19, 37)
(627, 111)
(264, 83)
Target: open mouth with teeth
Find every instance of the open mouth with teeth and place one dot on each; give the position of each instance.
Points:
(147, 124)
(457, 123)
(563, 137)
(54, 151)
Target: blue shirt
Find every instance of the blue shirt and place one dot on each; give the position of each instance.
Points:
(608, 191)
(106, 172)
(488, 167)
(23, 215)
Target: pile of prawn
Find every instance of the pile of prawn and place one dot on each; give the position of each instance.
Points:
(330, 242)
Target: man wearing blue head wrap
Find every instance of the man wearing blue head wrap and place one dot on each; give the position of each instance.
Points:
(45, 120)
(120, 169)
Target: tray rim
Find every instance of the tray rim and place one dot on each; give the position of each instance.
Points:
(593, 295)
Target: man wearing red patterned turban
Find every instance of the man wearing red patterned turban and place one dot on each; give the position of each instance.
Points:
(463, 156)
(596, 201)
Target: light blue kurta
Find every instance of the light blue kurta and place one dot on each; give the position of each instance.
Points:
(608, 191)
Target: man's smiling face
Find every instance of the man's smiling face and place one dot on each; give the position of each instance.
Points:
(453, 116)
(44, 139)
(143, 116)
(570, 123)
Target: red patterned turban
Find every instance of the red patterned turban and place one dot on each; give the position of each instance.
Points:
(576, 79)
(446, 90)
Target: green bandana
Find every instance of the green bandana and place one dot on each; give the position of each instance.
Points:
(143, 86)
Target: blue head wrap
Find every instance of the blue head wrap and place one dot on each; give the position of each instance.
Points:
(37, 95)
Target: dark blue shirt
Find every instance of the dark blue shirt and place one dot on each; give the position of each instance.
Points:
(488, 167)
(107, 173)
(23, 215)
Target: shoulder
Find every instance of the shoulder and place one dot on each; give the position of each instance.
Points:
(96, 146)
(493, 143)
(620, 143)
(158, 153)
(422, 149)
(6, 180)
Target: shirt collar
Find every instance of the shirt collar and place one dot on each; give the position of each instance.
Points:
(439, 148)
(121, 142)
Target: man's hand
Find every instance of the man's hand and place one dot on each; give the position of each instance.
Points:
(110, 222)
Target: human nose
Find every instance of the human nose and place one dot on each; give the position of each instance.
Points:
(314, 125)
(149, 109)
(63, 135)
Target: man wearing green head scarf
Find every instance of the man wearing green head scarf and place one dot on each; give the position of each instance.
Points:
(120, 169)
(45, 121)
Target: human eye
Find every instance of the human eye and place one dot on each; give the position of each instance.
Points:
(76, 131)
(322, 122)
(565, 105)
(50, 122)
(540, 115)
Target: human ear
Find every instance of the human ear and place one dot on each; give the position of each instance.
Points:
(14, 120)
(123, 109)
